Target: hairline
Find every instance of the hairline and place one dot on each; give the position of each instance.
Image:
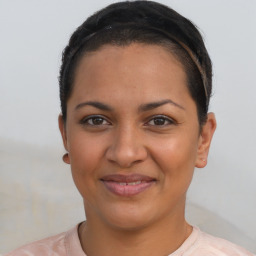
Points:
(171, 47)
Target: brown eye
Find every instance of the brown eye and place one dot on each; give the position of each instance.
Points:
(160, 121)
(94, 121)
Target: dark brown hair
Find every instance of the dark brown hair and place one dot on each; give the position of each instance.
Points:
(144, 22)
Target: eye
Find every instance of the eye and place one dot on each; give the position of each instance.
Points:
(94, 121)
(160, 121)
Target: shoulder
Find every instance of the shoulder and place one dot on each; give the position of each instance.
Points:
(213, 246)
(54, 245)
(64, 244)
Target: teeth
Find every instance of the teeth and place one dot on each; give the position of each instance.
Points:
(134, 183)
(130, 183)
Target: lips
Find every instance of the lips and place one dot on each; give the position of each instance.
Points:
(127, 185)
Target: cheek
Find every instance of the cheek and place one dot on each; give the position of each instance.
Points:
(86, 153)
(85, 150)
(176, 158)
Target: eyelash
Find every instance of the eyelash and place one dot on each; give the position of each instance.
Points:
(163, 118)
(87, 120)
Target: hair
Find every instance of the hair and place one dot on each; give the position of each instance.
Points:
(145, 22)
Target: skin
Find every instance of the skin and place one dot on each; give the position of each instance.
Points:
(131, 139)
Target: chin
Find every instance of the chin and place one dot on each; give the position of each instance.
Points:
(124, 223)
(128, 218)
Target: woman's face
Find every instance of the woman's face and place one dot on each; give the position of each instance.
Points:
(132, 134)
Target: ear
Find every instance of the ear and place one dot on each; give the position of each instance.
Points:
(205, 140)
(64, 137)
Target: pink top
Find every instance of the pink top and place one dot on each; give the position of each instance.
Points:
(68, 244)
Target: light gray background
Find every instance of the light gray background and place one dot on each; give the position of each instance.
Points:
(37, 195)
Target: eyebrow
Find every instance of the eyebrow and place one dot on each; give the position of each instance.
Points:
(142, 108)
(95, 104)
(153, 105)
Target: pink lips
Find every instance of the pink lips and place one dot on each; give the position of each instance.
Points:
(127, 185)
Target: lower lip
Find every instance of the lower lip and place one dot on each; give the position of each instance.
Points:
(127, 190)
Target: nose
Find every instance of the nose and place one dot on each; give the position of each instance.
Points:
(126, 148)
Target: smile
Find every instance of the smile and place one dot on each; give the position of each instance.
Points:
(130, 185)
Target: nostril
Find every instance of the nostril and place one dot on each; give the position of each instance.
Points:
(126, 150)
(138, 161)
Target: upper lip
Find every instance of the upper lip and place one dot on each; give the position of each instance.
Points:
(127, 178)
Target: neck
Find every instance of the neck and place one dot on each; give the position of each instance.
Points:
(162, 238)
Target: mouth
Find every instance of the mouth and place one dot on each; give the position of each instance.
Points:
(127, 185)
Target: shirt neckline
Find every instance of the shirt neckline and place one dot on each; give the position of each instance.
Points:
(73, 245)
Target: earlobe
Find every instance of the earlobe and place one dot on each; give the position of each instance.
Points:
(65, 158)
(205, 140)
(63, 131)
(62, 128)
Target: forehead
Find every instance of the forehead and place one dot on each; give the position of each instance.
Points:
(134, 51)
(137, 66)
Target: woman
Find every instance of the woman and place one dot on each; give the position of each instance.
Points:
(135, 84)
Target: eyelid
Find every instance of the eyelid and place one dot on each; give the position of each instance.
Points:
(171, 120)
(84, 121)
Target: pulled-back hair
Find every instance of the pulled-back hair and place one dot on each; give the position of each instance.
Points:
(145, 22)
